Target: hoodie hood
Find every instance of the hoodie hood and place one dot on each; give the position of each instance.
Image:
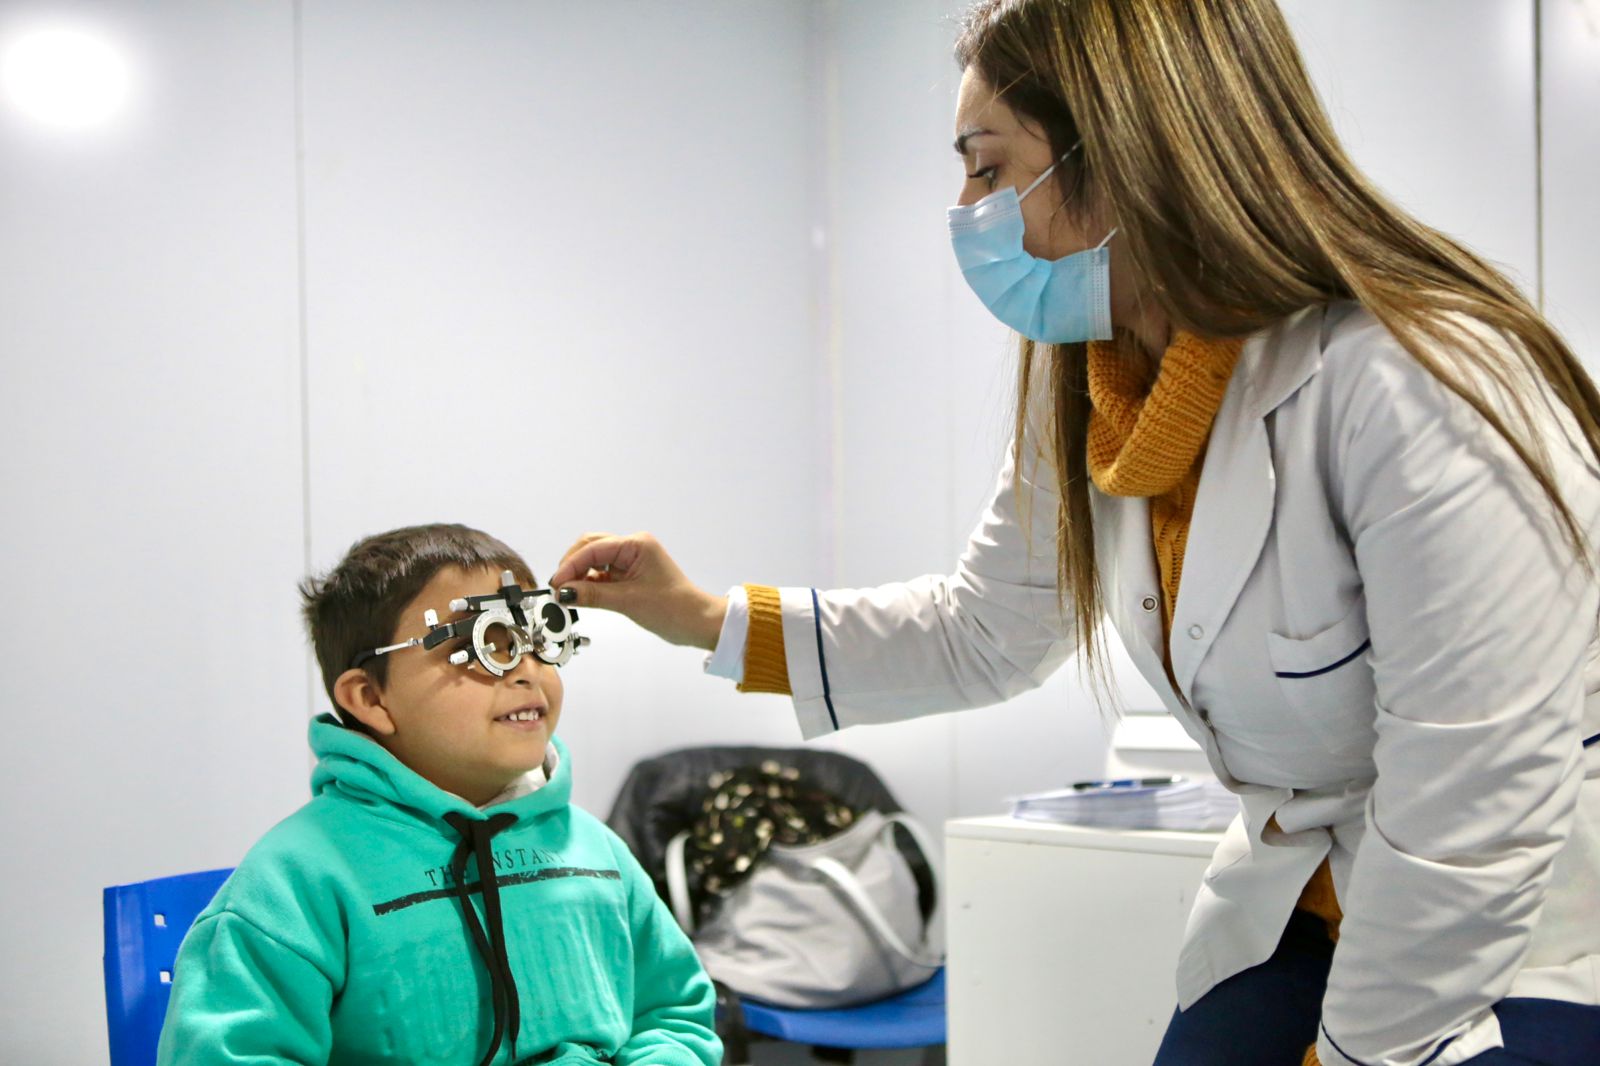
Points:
(355, 767)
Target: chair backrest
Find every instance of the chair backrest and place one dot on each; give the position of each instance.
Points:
(145, 923)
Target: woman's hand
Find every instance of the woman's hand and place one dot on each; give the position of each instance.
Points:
(635, 576)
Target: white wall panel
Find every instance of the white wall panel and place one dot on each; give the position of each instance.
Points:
(1571, 105)
(892, 183)
(559, 279)
(1434, 101)
(149, 409)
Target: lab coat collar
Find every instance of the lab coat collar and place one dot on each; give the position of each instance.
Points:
(1238, 487)
(1276, 361)
(1232, 515)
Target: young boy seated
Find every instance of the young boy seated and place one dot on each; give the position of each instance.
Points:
(439, 900)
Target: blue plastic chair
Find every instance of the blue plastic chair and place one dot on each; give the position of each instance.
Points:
(914, 1018)
(145, 923)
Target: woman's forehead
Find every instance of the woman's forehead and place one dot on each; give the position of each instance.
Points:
(978, 110)
(975, 103)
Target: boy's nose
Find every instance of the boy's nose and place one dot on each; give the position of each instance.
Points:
(528, 671)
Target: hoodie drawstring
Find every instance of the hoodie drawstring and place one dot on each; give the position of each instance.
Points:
(475, 837)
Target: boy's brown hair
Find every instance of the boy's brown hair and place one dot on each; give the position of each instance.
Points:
(355, 607)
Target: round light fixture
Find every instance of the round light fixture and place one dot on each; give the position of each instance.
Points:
(63, 77)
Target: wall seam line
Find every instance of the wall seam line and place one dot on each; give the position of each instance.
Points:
(302, 303)
(1538, 152)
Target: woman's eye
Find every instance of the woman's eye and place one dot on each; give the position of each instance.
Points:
(985, 173)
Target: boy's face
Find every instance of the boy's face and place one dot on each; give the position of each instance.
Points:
(450, 723)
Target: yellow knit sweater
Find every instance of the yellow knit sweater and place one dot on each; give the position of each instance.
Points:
(1148, 440)
(766, 664)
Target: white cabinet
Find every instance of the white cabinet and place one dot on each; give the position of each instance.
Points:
(1063, 940)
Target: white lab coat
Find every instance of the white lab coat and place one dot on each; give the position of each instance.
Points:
(1380, 638)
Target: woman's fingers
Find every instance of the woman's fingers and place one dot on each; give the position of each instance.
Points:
(603, 558)
(634, 576)
(581, 542)
(592, 551)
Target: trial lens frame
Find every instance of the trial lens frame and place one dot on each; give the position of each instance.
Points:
(537, 622)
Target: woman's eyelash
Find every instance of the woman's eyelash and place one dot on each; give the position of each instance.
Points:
(986, 172)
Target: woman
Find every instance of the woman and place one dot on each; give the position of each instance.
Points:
(1329, 476)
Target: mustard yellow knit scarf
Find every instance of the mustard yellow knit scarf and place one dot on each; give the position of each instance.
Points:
(1148, 439)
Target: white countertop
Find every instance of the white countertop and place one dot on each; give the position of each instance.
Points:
(1159, 841)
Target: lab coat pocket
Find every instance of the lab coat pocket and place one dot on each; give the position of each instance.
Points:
(1326, 681)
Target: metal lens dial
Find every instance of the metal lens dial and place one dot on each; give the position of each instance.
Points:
(497, 642)
(554, 619)
(554, 652)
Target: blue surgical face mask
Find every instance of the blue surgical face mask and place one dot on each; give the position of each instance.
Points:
(1060, 301)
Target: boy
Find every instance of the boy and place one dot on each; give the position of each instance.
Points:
(438, 900)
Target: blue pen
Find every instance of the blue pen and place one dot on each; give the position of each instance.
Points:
(1125, 782)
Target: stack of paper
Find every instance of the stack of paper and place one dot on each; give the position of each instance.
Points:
(1170, 804)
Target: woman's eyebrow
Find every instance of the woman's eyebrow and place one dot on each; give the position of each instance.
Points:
(966, 135)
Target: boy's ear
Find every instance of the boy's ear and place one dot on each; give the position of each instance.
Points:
(359, 696)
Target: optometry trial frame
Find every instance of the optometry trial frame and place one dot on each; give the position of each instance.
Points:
(501, 628)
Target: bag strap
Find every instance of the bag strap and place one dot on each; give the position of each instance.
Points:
(924, 842)
(847, 883)
(678, 882)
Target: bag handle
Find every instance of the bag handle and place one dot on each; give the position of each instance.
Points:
(678, 882)
(924, 842)
(847, 883)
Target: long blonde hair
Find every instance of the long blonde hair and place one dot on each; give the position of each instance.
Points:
(1204, 140)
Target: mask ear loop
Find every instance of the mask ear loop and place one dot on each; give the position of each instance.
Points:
(1105, 240)
(1048, 171)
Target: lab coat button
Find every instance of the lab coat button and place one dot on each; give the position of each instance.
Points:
(1196, 632)
(1148, 603)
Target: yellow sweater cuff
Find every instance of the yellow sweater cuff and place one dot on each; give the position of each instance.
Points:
(766, 665)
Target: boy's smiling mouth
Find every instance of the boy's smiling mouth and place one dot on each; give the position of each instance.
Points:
(528, 717)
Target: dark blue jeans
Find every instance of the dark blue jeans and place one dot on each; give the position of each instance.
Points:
(1268, 1015)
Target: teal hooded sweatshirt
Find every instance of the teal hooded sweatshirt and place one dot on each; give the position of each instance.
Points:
(362, 929)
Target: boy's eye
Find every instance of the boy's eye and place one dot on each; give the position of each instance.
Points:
(503, 645)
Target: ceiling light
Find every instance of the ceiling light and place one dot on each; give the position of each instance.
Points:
(63, 77)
